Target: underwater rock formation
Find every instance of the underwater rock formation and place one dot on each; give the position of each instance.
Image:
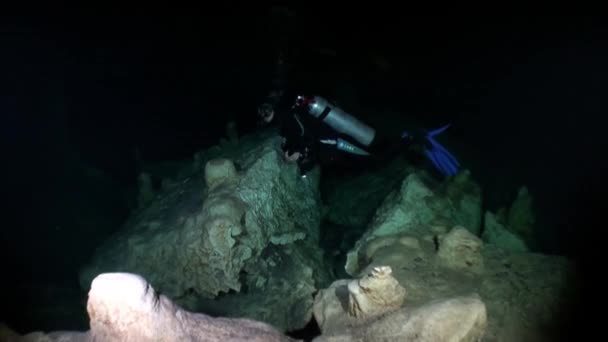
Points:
(465, 197)
(235, 235)
(358, 301)
(352, 202)
(414, 207)
(373, 308)
(520, 218)
(524, 293)
(220, 171)
(125, 307)
(461, 251)
(512, 228)
(458, 319)
(145, 190)
(377, 292)
(497, 234)
(430, 235)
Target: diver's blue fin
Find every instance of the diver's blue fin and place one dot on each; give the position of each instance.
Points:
(438, 130)
(445, 153)
(441, 158)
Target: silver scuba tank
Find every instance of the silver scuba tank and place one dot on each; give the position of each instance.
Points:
(341, 121)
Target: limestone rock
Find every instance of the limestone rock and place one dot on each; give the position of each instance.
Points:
(415, 209)
(358, 301)
(465, 195)
(521, 218)
(125, 307)
(462, 318)
(377, 292)
(245, 225)
(524, 293)
(496, 234)
(232, 132)
(460, 250)
(331, 307)
(218, 171)
(145, 188)
(353, 201)
(281, 291)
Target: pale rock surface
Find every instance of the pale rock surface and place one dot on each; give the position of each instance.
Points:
(124, 307)
(461, 251)
(458, 319)
(358, 301)
(220, 170)
(375, 293)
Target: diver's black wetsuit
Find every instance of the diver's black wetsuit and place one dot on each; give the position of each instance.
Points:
(312, 137)
(304, 133)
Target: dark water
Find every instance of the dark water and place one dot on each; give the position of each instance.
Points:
(85, 104)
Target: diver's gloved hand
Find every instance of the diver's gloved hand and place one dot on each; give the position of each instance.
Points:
(443, 160)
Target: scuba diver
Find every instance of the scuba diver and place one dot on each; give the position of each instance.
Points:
(315, 130)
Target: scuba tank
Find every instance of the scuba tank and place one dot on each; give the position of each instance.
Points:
(338, 119)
